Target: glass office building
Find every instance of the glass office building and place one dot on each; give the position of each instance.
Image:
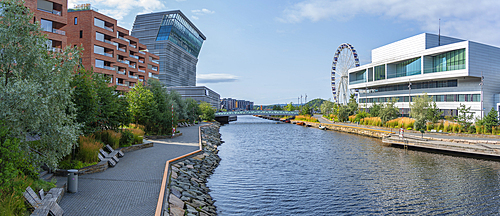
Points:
(176, 40)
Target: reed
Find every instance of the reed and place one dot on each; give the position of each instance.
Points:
(89, 148)
(403, 122)
(306, 118)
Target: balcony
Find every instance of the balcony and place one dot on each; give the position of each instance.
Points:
(58, 13)
(121, 49)
(155, 61)
(141, 52)
(110, 42)
(133, 56)
(133, 77)
(123, 61)
(57, 31)
(134, 46)
(125, 39)
(106, 67)
(106, 54)
(121, 72)
(132, 66)
(120, 84)
(141, 61)
(154, 77)
(142, 71)
(155, 69)
(141, 80)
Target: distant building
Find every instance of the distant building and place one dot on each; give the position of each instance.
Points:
(176, 40)
(53, 17)
(231, 104)
(446, 68)
(199, 93)
(109, 49)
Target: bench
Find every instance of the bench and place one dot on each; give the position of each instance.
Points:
(110, 161)
(48, 202)
(113, 152)
(106, 155)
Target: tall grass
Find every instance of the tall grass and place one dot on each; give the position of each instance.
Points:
(89, 149)
(402, 122)
(306, 118)
(352, 118)
(109, 137)
(373, 121)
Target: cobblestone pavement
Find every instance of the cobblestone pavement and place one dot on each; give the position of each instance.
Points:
(434, 135)
(132, 186)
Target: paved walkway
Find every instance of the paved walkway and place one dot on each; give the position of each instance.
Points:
(434, 135)
(132, 186)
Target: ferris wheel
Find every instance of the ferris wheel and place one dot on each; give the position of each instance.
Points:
(345, 58)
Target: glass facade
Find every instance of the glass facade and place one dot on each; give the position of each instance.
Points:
(379, 72)
(416, 85)
(176, 29)
(436, 98)
(357, 77)
(406, 68)
(453, 60)
(46, 25)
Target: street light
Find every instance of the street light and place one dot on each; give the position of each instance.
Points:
(409, 97)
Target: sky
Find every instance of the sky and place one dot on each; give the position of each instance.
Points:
(274, 51)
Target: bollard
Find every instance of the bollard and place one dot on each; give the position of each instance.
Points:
(72, 181)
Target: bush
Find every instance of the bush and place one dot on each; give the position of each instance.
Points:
(471, 129)
(109, 137)
(402, 122)
(306, 118)
(89, 149)
(75, 164)
(137, 139)
(373, 121)
(127, 138)
(136, 131)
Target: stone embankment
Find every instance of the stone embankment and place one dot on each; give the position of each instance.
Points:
(188, 193)
(349, 129)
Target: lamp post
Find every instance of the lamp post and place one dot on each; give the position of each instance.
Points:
(409, 97)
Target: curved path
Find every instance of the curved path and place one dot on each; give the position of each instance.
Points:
(133, 185)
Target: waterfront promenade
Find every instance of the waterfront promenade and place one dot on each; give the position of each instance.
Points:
(132, 187)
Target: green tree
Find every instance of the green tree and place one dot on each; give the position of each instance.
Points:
(389, 111)
(208, 113)
(491, 120)
(179, 106)
(343, 113)
(276, 107)
(433, 113)
(35, 91)
(375, 109)
(306, 110)
(141, 104)
(418, 110)
(289, 107)
(193, 109)
(327, 107)
(353, 105)
(160, 121)
(465, 116)
(86, 101)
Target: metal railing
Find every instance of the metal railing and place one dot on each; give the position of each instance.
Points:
(155, 69)
(133, 77)
(110, 42)
(121, 72)
(107, 67)
(154, 77)
(142, 52)
(133, 56)
(123, 61)
(121, 49)
(106, 54)
(142, 71)
(141, 61)
(57, 31)
(155, 61)
(58, 13)
(55, 49)
(120, 84)
(134, 46)
(132, 66)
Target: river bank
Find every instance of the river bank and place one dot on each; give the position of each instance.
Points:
(187, 193)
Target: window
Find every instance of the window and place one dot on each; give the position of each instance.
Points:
(99, 36)
(406, 68)
(379, 72)
(99, 63)
(98, 23)
(76, 20)
(81, 33)
(98, 49)
(46, 25)
(45, 6)
(453, 60)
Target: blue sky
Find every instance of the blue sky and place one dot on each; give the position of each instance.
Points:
(271, 51)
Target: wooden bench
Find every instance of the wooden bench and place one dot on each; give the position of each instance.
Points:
(113, 152)
(48, 202)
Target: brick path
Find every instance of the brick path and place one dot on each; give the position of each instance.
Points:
(133, 185)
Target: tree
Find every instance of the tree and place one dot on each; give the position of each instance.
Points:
(419, 109)
(465, 116)
(141, 104)
(208, 113)
(327, 107)
(160, 121)
(306, 110)
(433, 113)
(491, 120)
(276, 107)
(35, 91)
(353, 105)
(389, 111)
(289, 107)
(193, 109)
(375, 109)
(343, 113)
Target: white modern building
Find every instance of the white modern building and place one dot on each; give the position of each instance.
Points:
(198, 93)
(449, 69)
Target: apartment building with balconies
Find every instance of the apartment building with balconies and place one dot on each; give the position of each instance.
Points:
(52, 16)
(109, 49)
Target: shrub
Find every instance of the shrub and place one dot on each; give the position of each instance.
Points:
(478, 129)
(89, 148)
(137, 131)
(137, 126)
(137, 139)
(109, 137)
(352, 118)
(402, 122)
(373, 121)
(127, 138)
(306, 118)
(471, 129)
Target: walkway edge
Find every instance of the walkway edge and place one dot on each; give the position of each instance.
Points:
(161, 196)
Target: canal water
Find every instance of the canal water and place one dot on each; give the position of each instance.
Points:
(285, 169)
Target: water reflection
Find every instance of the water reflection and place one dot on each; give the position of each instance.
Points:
(283, 169)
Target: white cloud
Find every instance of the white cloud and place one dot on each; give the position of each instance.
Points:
(194, 17)
(202, 12)
(216, 78)
(180, 0)
(118, 9)
(473, 20)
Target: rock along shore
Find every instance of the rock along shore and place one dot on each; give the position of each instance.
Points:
(188, 193)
